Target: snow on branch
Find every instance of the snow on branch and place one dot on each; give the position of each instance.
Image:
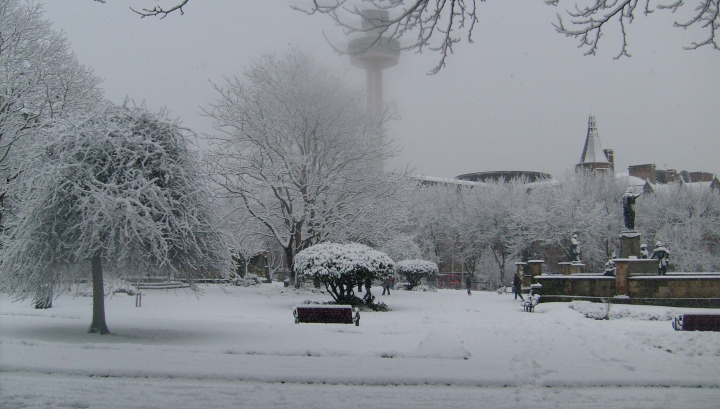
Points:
(587, 22)
(430, 24)
(120, 183)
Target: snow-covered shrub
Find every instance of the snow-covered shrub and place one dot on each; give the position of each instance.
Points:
(600, 311)
(248, 280)
(420, 288)
(342, 267)
(416, 270)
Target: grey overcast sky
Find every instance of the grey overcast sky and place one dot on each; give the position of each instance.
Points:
(518, 98)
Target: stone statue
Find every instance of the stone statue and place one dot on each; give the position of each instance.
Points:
(610, 267)
(574, 248)
(663, 255)
(644, 251)
(628, 201)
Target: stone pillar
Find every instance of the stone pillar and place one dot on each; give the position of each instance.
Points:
(622, 271)
(629, 243)
(576, 268)
(565, 268)
(520, 265)
(535, 269)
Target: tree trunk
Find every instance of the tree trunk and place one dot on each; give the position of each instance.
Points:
(98, 320)
(290, 260)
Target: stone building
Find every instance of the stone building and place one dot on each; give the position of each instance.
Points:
(645, 176)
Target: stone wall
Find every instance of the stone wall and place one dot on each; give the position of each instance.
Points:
(577, 285)
(675, 286)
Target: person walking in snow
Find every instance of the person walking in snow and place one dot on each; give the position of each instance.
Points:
(663, 255)
(386, 286)
(368, 298)
(468, 284)
(517, 286)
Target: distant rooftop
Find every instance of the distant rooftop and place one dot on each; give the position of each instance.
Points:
(505, 176)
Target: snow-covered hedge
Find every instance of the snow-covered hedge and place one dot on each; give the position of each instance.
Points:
(342, 267)
(415, 270)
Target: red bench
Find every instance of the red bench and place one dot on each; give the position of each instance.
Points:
(697, 322)
(326, 314)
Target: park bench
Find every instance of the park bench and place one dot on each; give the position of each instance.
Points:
(326, 314)
(697, 322)
(533, 298)
(530, 302)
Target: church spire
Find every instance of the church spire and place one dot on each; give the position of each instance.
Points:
(593, 156)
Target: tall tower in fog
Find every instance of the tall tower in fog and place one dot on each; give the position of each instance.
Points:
(374, 53)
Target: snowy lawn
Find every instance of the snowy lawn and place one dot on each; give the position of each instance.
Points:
(239, 347)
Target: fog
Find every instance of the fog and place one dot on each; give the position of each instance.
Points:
(518, 98)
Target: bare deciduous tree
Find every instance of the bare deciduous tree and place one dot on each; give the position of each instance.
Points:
(298, 151)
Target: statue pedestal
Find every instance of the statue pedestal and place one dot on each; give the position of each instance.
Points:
(535, 270)
(565, 268)
(576, 268)
(632, 267)
(629, 243)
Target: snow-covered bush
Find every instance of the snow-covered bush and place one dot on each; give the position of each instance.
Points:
(416, 270)
(601, 311)
(342, 267)
(248, 280)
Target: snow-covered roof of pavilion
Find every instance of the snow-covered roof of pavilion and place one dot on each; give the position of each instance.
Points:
(593, 151)
(425, 179)
(447, 181)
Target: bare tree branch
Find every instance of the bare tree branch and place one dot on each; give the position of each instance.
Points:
(157, 11)
(437, 25)
(587, 23)
(423, 21)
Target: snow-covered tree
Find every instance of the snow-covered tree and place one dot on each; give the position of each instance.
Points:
(416, 270)
(40, 79)
(582, 203)
(342, 267)
(427, 210)
(401, 247)
(687, 221)
(298, 151)
(119, 188)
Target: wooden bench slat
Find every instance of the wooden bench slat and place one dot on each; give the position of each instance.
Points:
(326, 314)
(697, 322)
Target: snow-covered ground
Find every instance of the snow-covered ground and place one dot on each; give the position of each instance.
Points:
(239, 347)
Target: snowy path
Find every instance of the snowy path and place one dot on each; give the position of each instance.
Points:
(120, 393)
(242, 345)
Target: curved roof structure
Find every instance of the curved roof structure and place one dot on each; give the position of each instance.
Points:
(505, 176)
